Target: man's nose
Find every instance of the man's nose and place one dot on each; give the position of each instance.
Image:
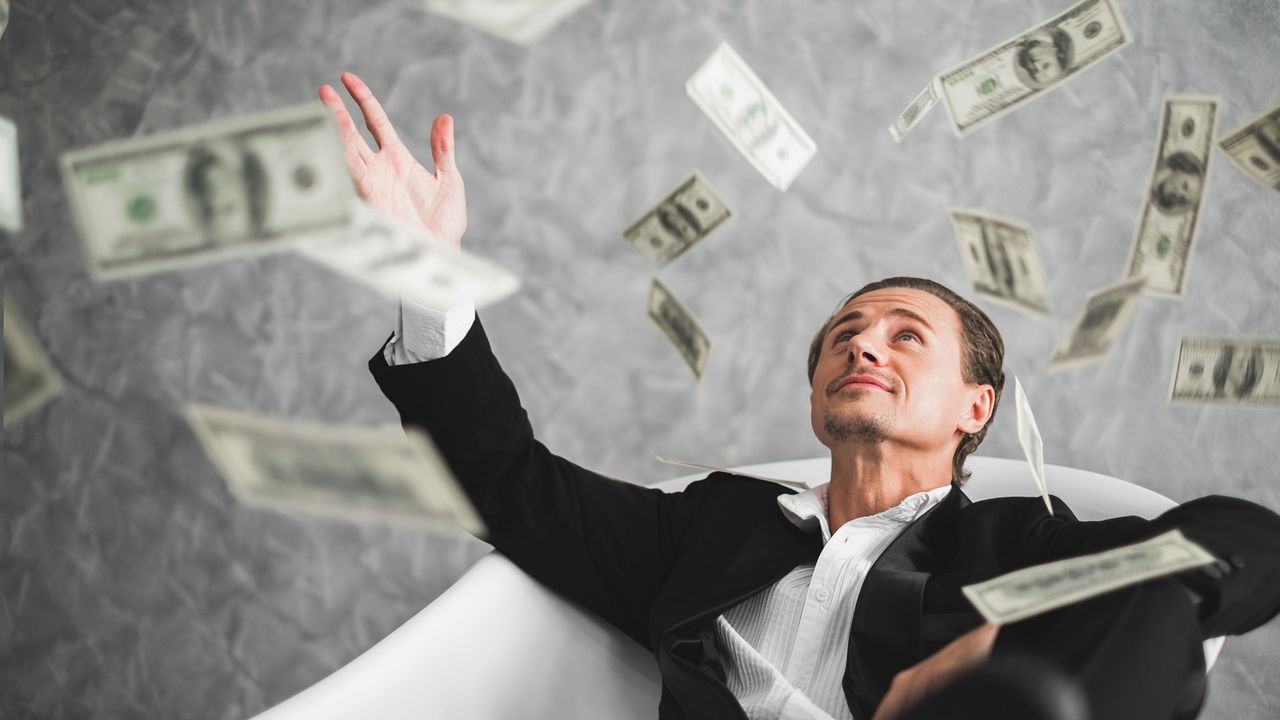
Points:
(863, 349)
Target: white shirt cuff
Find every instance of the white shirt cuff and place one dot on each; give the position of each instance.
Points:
(425, 333)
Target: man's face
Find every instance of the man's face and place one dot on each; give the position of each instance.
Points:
(1044, 62)
(889, 370)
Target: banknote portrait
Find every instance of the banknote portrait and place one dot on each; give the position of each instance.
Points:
(1237, 372)
(1002, 274)
(1043, 57)
(1267, 137)
(679, 222)
(1093, 328)
(680, 326)
(226, 190)
(1178, 182)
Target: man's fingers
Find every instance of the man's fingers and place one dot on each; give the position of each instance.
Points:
(442, 147)
(356, 151)
(375, 118)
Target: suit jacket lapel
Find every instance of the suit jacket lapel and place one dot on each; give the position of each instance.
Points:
(692, 668)
(885, 637)
(772, 550)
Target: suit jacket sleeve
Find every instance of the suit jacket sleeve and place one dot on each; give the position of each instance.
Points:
(606, 544)
(1240, 594)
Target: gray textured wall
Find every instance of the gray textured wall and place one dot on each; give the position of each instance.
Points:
(132, 585)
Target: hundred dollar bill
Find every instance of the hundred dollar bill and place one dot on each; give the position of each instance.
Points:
(1038, 589)
(1255, 147)
(680, 327)
(29, 378)
(1032, 445)
(361, 474)
(10, 180)
(397, 259)
(751, 117)
(1106, 312)
(1242, 372)
(519, 21)
(1165, 238)
(232, 188)
(679, 222)
(915, 112)
(1027, 66)
(1001, 260)
(712, 468)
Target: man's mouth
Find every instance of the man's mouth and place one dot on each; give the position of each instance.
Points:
(867, 381)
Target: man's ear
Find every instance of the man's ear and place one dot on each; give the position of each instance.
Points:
(981, 403)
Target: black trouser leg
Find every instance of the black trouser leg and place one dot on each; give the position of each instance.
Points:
(1131, 654)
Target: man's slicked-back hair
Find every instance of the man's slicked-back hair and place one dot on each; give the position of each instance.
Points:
(982, 351)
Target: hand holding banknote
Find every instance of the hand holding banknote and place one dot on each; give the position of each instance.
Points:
(390, 178)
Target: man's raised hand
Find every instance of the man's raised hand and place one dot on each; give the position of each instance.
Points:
(390, 179)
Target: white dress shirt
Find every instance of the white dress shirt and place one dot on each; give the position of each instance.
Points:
(787, 645)
(784, 647)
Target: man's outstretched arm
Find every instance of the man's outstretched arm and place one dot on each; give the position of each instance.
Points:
(604, 543)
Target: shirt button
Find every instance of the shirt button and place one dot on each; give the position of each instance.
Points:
(800, 684)
(822, 595)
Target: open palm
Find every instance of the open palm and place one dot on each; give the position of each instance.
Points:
(391, 179)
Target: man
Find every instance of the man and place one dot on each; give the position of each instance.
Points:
(842, 601)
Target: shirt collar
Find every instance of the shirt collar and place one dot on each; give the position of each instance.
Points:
(809, 509)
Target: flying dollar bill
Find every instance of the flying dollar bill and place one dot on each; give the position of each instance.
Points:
(10, 180)
(1027, 66)
(796, 484)
(1255, 148)
(361, 474)
(1000, 257)
(519, 21)
(1040, 588)
(29, 378)
(751, 117)
(228, 189)
(1106, 313)
(1029, 438)
(679, 326)
(1241, 372)
(1163, 244)
(396, 259)
(679, 222)
(915, 112)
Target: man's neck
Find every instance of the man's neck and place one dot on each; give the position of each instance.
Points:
(869, 479)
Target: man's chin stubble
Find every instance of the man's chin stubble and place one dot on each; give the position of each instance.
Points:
(855, 429)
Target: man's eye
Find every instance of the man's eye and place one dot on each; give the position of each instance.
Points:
(842, 337)
(910, 335)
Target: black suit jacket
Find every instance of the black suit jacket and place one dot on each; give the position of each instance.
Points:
(661, 566)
